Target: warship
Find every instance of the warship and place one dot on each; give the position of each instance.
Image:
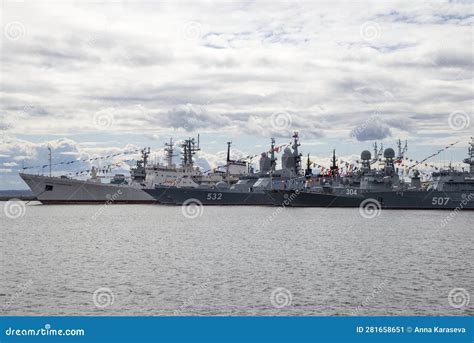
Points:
(249, 189)
(449, 189)
(66, 190)
(165, 193)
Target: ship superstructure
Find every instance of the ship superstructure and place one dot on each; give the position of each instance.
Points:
(63, 189)
(250, 188)
(450, 189)
(236, 183)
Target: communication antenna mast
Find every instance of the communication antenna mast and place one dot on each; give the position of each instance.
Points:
(50, 159)
(470, 159)
(376, 151)
(402, 150)
(169, 152)
(334, 168)
(308, 171)
(296, 154)
(272, 155)
(189, 150)
(228, 159)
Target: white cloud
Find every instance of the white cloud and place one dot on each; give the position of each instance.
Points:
(161, 68)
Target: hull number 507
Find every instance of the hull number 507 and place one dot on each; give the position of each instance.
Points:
(439, 201)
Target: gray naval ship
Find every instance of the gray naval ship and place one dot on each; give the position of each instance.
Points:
(449, 189)
(250, 189)
(66, 190)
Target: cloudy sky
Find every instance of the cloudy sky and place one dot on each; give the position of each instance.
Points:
(91, 77)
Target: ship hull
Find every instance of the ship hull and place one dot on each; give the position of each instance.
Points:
(427, 200)
(53, 190)
(180, 196)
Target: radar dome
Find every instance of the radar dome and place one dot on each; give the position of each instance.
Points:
(365, 155)
(389, 153)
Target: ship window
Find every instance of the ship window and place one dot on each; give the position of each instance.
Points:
(48, 188)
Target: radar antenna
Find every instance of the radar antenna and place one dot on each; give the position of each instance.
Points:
(228, 160)
(50, 158)
(402, 150)
(308, 171)
(169, 153)
(189, 150)
(272, 155)
(334, 168)
(470, 159)
(296, 154)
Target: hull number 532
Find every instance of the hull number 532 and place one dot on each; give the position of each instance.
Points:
(214, 196)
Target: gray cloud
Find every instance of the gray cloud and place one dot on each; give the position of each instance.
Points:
(192, 118)
(136, 61)
(371, 130)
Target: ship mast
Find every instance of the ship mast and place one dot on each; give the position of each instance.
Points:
(334, 168)
(227, 172)
(296, 154)
(470, 159)
(139, 172)
(169, 150)
(377, 152)
(272, 155)
(145, 155)
(189, 150)
(50, 158)
(402, 151)
(308, 171)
